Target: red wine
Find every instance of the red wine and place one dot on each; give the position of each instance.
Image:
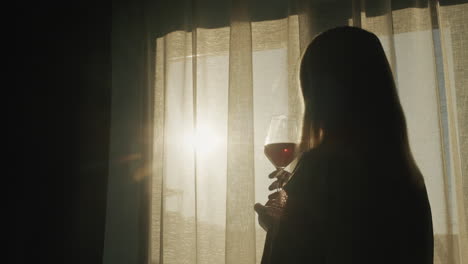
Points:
(280, 154)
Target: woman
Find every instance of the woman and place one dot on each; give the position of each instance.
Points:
(356, 195)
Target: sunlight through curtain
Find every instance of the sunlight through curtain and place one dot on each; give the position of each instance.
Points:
(216, 89)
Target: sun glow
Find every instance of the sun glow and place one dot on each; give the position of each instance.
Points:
(205, 140)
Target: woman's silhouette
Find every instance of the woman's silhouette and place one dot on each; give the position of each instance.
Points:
(356, 195)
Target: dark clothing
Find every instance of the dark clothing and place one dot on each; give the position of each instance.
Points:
(343, 208)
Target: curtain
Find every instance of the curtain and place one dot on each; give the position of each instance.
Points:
(218, 77)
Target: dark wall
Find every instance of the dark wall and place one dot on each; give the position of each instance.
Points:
(63, 79)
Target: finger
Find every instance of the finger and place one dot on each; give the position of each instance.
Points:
(277, 184)
(273, 211)
(275, 203)
(284, 175)
(274, 185)
(271, 203)
(274, 174)
(277, 174)
(259, 208)
(282, 199)
(274, 195)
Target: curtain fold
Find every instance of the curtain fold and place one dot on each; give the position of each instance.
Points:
(240, 180)
(220, 76)
(169, 15)
(453, 34)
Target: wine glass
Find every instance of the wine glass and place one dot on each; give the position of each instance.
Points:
(281, 143)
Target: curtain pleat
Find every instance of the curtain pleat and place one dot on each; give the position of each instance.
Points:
(240, 218)
(452, 23)
(157, 198)
(212, 107)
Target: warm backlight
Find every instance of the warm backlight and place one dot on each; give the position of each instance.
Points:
(205, 141)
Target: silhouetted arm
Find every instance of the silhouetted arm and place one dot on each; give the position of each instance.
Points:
(326, 216)
(299, 235)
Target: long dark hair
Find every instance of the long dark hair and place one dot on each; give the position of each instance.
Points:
(349, 92)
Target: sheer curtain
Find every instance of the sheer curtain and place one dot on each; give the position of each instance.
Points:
(216, 88)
